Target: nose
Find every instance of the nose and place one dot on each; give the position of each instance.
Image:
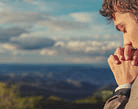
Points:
(127, 42)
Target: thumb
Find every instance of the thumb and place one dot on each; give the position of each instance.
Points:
(127, 42)
(128, 52)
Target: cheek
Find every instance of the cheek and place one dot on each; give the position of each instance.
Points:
(133, 32)
(132, 35)
(134, 40)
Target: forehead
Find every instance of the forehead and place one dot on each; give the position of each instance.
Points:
(120, 17)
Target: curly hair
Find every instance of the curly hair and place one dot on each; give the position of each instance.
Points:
(109, 7)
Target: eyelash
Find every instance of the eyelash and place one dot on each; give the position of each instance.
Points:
(124, 31)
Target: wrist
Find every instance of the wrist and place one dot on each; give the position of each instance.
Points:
(123, 86)
(123, 92)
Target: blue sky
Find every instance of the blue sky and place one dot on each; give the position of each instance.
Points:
(55, 31)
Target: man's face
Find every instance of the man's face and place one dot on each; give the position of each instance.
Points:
(125, 23)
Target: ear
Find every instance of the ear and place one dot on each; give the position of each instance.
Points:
(127, 42)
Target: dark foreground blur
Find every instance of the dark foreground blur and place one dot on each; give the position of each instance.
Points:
(11, 98)
(54, 86)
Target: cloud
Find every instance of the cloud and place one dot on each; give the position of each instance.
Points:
(82, 17)
(4, 7)
(57, 25)
(48, 52)
(36, 18)
(10, 59)
(59, 44)
(1, 6)
(6, 34)
(30, 1)
(94, 59)
(44, 5)
(9, 47)
(43, 30)
(71, 51)
(86, 48)
(15, 13)
(91, 46)
(19, 17)
(61, 25)
(2, 49)
(76, 45)
(33, 43)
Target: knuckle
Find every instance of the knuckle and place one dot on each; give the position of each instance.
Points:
(122, 49)
(128, 52)
(117, 48)
(110, 58)
(134, 58)
(117, 51)
(128, 49)
(115, 56)
(128, 46)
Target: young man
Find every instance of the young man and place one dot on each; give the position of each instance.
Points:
(124, 62)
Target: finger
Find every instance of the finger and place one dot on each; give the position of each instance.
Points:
(135, 58)
(120, 53)
(128, 47)
(128, 52)
(113, 59)
(117, 51)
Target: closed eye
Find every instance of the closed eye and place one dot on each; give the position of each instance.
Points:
(117, 28)
(121, 28)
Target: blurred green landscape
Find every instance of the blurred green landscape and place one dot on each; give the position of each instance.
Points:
(10, 98)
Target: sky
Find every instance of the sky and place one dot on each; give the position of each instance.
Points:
(55, 31)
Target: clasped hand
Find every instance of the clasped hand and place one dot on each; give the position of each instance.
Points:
(124, 65)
